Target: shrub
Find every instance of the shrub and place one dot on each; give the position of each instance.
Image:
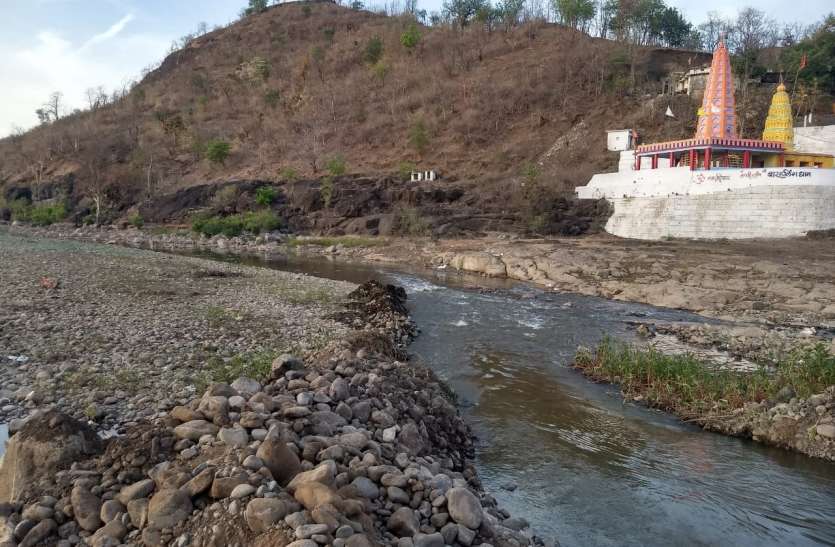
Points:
(531, 172)
(217, 151)
(405, 170)
(289, 174)
(373, 50)
(329, 33)
(410, 37)
(419, 136)
(306, 10)
(225, 197)
(272, 97)
(44, 215)
(265, 195)
(380, 70)
(336, 166)
(136, 220)
(20, 209)
(235, 225)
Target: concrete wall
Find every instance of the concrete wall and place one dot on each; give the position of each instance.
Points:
(820, 139)
(745, 213)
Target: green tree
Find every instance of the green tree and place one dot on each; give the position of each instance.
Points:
(373, 50)
(674, 30)
(461, 12)
(419, 137)
(217, 151)
(819, 49)
(410, 37)
(256, 6)
(575, 13)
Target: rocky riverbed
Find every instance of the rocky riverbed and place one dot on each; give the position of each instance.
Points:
(789, 282)
(341, 441)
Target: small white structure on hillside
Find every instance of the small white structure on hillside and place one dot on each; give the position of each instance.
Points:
(420, 176)
(618, 140)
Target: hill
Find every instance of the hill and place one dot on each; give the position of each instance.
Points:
(304, 90)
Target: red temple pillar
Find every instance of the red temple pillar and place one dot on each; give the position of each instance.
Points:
(637, 162)
(746, 159)
(672, 159)
(655, 161)
(782, 160)
(692, 159)
(707, 159)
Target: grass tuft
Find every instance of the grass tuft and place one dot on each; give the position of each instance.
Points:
(691, 388)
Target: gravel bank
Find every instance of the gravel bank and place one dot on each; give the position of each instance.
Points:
(126, 333)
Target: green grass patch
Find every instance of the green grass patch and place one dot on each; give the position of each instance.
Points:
(345, 241)
(39, 215)
(255, 365)
(301, 294)
(234, 225)
(691, 388)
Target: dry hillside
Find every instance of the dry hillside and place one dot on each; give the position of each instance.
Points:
(294, 87)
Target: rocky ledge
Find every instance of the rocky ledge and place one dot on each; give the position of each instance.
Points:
(353, 447)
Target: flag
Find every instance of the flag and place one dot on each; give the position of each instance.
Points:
(669, 112)
(803, 61)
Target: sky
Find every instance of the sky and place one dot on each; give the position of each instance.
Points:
(72, 45)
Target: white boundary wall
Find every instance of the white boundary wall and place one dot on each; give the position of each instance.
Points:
(721, 203)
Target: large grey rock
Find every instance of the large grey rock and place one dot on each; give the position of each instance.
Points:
(464, 508)
(246, 386)
(826, 430)
(168, 508)
(261, 513)
(46, 443)
(110, 510)
(200, 482)
(411, 439)
(339, 390)
(403, 523)
(86, 508)
(279, 459)
(366, 487)
(141, 489)
(236, 437)
(195, 429)
(39, 532)
(429, 540)
(358, 540)
(215, 408)
(138, 512)
(110, 534)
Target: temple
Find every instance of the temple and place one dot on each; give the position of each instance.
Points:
(716, 143)
(716, 184)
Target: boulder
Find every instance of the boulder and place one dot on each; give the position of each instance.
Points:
(403, 523)
(279, 459)
(323, 473)
(138, 512)
(168, 508)
(313, 494)
(261, 513)
(429, 540)
(464, 508)
(86, 508)
(195, 429)
(39, 532)
(236, 437)
(285, 363)
(247, 387)
(141, 489)
(200, 482)
(111, 533)
(366, 488)
(339, 390)
(110, 510)
(215, 408)
(46, 443)
(358, 540)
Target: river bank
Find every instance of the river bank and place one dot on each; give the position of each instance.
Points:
(346, 444)
(777, 283)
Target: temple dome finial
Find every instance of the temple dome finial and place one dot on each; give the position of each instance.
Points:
(779, 126)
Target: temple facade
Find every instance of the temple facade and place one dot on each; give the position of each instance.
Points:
(717, 184)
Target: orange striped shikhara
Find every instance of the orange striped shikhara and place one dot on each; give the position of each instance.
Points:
(717, 117)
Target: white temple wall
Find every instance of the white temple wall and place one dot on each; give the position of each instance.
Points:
(815, 139)
(743, 213)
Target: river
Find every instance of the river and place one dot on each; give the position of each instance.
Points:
(569, 455)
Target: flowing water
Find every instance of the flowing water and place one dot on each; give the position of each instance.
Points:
(569, 455)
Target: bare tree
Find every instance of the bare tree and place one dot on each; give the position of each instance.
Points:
(53, 105)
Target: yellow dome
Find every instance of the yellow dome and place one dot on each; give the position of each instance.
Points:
(778, 124)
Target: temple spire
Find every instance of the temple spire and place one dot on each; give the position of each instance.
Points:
(717, 116)
(778, 125)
